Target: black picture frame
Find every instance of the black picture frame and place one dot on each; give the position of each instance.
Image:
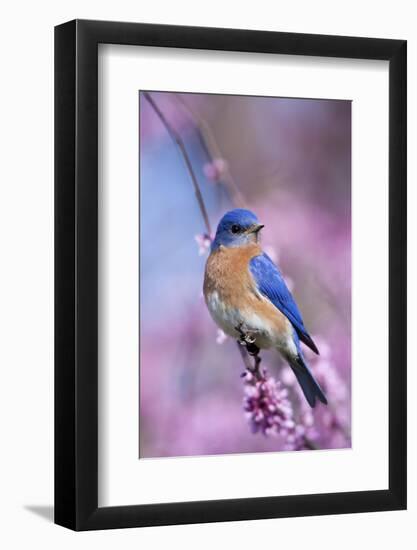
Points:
(76, 273)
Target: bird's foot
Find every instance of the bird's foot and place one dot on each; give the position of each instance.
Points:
(247, 338)
(246, 335)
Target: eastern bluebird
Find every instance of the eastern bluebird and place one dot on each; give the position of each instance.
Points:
(245, 291)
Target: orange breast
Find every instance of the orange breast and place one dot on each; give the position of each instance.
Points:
(227, 273)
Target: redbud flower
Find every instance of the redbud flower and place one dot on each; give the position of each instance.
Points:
(203, 241)
(215, 170)
(221, 337)
(269, 411)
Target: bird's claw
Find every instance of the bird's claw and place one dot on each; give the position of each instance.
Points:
(247, 337)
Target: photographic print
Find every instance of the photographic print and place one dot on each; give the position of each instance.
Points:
(245, 274)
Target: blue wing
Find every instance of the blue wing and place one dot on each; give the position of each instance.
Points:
(271, 284)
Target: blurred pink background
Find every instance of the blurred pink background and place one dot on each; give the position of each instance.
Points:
(291, 162)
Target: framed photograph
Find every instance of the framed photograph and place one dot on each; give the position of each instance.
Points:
(230, 252)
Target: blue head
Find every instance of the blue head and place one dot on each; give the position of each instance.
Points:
(238, 227)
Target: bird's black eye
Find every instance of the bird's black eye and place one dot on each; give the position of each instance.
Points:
(235, 228)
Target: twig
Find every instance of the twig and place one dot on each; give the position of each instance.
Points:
(252, 368)
(245, 357)
(178, 140)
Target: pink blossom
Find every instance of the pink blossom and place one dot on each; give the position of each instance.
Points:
(215, 170)
(221, 337)
(203, 241)
(269, 410)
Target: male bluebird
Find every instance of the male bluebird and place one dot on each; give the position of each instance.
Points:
(246, 293)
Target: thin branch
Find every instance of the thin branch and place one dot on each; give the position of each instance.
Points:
(245, 356)
(178, 140)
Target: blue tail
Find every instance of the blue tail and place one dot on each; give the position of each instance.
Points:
(308, 384)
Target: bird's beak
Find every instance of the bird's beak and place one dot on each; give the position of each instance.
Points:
(256, 228)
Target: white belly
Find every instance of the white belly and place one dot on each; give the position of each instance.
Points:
(266, 335)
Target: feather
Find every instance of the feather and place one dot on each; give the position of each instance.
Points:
(308, 383)
(271, 284)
